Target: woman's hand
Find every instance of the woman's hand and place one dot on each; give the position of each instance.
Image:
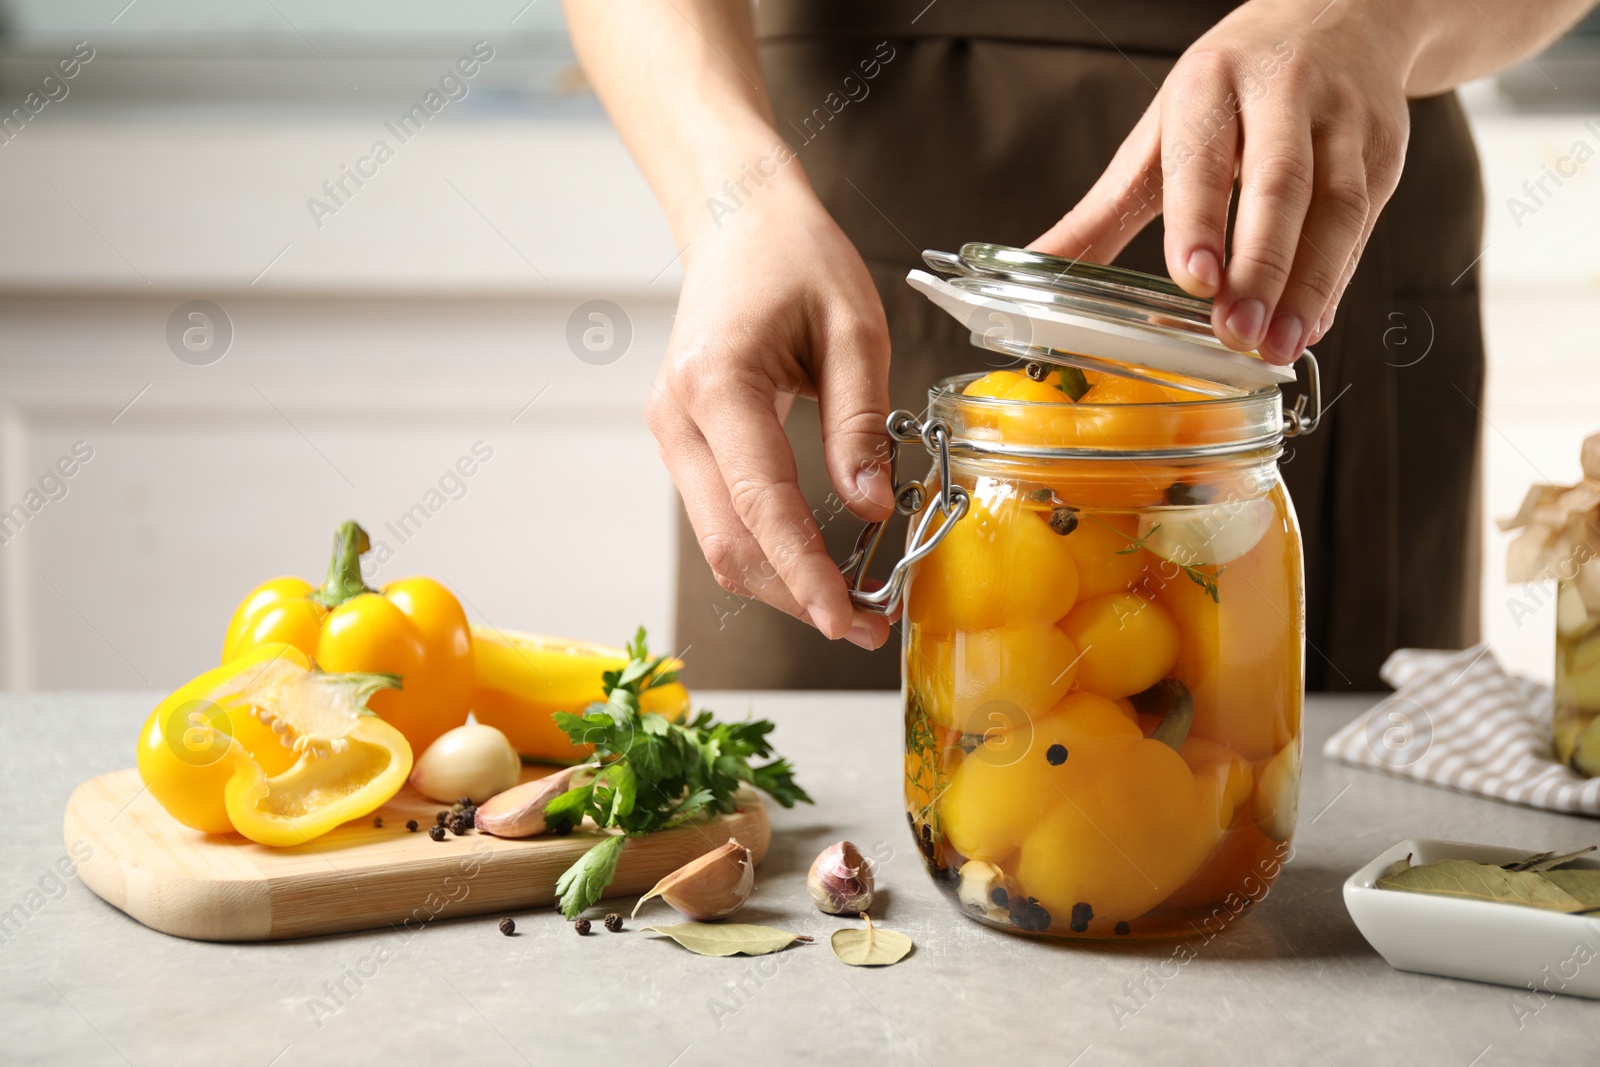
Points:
(1309, 115)
(776, 303)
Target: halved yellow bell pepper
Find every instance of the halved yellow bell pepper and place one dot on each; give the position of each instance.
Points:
(522, 678)
(273, 748)
(413, 628)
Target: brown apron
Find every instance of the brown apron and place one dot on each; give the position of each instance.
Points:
(987, 122)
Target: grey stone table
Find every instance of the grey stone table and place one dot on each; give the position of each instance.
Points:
(1291, 982)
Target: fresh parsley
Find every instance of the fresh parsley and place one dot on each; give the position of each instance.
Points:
(653, 774)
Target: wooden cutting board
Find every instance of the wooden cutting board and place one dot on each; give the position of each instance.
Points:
(356, 877)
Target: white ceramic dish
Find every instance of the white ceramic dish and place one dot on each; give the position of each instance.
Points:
(1525, 948)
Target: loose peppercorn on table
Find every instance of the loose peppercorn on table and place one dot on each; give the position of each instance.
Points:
(1286, 976)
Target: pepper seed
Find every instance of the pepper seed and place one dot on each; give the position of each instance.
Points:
(614, 923)
(411, 824)
(1081, 914)
(436, 832)
(1123, 929)
(1056, 755)
(582, 926)
(508, 926)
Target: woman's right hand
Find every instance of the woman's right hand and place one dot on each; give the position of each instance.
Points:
(776, 303)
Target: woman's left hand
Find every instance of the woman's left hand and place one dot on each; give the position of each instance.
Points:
(1310, 117)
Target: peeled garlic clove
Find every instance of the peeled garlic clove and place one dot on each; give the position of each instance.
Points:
(712, 887)
(979, 880)
(519, 811)
(1277, 798)
(840, 880)
(473, 761)
(1206, 534)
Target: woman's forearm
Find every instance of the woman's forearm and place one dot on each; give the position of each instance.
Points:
(1455, 41)
(681, 81)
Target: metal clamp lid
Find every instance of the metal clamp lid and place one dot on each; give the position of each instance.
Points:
(1067, 312)
(1115, 289)
(951, 502)
(1306, 414)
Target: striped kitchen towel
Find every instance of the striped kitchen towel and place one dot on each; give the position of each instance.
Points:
(1458, 720)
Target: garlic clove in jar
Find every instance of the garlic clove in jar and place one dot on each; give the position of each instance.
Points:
(519, 811)
(983, 890)
(712, 887)
(1277, 797)
(1206, 534)
(840, 880)
(473, 761)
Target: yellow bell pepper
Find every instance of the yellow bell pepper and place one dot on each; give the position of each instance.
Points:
(522, 678)
(1109, 822)
(271, 747)
(413, 628)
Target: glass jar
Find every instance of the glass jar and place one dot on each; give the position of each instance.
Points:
(1104, 663)
(1104, 621)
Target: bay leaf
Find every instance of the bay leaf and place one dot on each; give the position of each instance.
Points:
(1551, 860)
(1396, 867)
(872, 946)
(1527, 861)
(728, 939)
(1483, 881)
(1580, 883)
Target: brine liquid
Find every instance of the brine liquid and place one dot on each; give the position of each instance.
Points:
(1103, 702)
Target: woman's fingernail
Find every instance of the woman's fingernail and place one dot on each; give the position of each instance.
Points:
(1283, 340)
(1203, 267)
(1246, 320)
(861, 635)
(872, 482)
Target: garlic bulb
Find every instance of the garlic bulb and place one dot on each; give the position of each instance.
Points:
(840, 880)
(473, 761)
(712, 887)
(519, 811)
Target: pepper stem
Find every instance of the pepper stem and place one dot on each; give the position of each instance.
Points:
(1170, 698)
(362, 685)
(344, 569)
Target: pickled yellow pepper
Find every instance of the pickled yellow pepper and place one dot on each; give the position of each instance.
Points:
(1109, 822)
